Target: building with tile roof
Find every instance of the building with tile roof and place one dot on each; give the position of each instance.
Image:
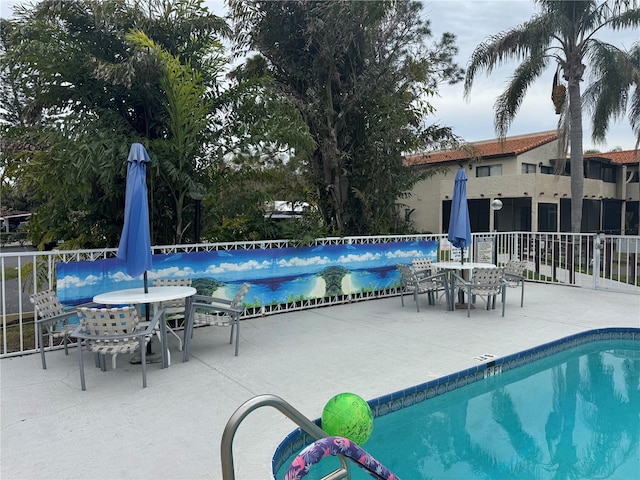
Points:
(519, 171)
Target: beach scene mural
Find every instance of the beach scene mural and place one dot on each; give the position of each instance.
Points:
(277, 276)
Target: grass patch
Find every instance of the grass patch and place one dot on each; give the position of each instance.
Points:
(10, 273)
(13, 336)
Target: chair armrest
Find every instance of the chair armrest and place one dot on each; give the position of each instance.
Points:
(56, 318)
(457, 278)
(72, 311)
(205, 298)
(218, 308)
(78, 332)
(514, 276)
(442, 276)
(88, 304)
(420, 273)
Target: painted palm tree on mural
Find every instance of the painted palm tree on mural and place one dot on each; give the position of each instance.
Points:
(562, 33)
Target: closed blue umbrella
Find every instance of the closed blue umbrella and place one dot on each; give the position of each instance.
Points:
(135, 242)
(459, 226)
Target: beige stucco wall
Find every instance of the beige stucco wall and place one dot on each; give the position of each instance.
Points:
(427, 196)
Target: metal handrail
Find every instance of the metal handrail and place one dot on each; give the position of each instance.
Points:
(226, 445)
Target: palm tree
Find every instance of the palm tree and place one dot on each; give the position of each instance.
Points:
(617, 81)
(563, 32)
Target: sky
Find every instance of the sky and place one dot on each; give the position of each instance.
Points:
(473, 22)
(472, 119)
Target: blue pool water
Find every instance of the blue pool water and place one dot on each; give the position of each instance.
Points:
(573, 414)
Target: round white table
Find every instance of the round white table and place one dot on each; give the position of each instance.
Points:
(154, 295)
(460, 266)
(138, 295)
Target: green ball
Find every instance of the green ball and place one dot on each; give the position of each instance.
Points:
(348, 415)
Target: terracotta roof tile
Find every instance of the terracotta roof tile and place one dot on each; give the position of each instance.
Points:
(621, 158)
(511, 146)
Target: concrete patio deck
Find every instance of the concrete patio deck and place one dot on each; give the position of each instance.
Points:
(50, 429)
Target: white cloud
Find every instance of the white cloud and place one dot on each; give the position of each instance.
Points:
(237, 267)
(303, 262)
(120, 276)
(363, 257)
(172, 272)
(70, 281)
(404, 254)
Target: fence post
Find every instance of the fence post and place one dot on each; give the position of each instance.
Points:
(596, 259)
(536, 254)
(607, 258)
(555, 258)
(570, 248)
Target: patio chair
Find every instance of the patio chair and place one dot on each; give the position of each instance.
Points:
(485, 282)
(58, 320)
(422, 264)
(113, 331)
(174, 310)
(206, 310)
(514, 276)
(417, 283)
(423, 267)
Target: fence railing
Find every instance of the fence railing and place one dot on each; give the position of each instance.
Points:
(569, 259)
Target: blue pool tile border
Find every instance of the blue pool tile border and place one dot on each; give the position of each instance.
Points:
(298, 439)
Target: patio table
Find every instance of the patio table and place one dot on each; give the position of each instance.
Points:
(154, 295)
(462, 267)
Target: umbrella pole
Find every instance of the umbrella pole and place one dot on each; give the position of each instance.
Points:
(146, 310)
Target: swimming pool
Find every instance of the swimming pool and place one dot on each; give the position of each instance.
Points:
(567, 409)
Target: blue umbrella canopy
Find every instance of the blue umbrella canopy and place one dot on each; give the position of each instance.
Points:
(459, 226)
(135, 242)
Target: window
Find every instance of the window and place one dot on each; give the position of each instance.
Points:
(608, 174)
(547, 217)
(489, 171)
(546, 170)
(528, 168)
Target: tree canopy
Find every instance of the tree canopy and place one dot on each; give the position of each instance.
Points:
(87, 91)
(83, 80)
(360, 74)
(338, 93)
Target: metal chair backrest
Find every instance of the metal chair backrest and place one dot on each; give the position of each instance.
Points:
(110, 322)
(420, 264)
(173, 307)
(515, 267)
(46, 304)
(486, 281)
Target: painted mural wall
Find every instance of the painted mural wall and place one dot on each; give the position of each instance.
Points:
(277, 276)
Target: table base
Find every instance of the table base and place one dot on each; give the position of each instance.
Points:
(136, 359)
(463, 306)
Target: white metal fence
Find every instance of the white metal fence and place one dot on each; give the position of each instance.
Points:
(569, 259)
